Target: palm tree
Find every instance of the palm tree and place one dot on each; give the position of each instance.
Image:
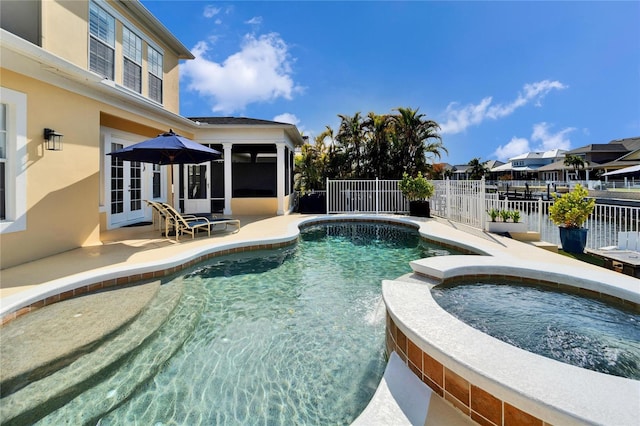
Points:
(414, 138)
(477, 169)
(377, 148)
(576, 162)
(351, 136)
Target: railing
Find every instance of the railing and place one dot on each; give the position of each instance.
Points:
(467, 202)
(630, 183)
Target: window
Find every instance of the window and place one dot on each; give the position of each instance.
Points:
(13, 174)
(3, 161)
(155, 74)
(132, 51)
(102, 30)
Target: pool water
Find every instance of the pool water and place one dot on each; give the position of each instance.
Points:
(289, 336)
(584, 332)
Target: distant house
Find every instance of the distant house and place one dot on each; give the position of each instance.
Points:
(460, 172)
(93, 76)
(599, 158)
(526, 166)
(492, 164)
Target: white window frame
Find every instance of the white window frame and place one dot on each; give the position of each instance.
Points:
(156, 70)
(131, 50)
(109, 40)
(16, 163)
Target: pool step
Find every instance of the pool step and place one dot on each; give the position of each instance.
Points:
(142, 365)
(525, 236)
(45, 341)
(44, 396)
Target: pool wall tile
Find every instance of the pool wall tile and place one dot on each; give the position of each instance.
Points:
(481, 420)
(401, 343)
(457, 386)
(433, 369)
(65, 296)
(515, 417)
(415, 355)
(456, 403)
(486, 405)
(475, 402)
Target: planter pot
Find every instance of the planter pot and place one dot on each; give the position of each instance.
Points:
(419, 208)
(573, 240)
(503, 227)
(312, 203)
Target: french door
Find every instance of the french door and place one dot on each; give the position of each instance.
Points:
(125, 189)
(197, 189)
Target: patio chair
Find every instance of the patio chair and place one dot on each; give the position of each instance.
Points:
(157, 213)
(160, 212)
(188, 224)
(226, 222)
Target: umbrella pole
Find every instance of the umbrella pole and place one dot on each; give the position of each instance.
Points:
(171, 200)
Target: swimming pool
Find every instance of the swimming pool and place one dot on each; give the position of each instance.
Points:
(580, 331)
(287, 336)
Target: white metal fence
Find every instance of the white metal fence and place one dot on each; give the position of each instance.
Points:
(468, 202)
(365, 196)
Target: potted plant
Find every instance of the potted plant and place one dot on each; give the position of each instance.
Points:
(417, 190)
(509, 222)
(569, 211)
(493, 214)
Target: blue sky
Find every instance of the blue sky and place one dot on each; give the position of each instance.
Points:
(501, 78)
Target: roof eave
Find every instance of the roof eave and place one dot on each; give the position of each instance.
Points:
(152, 23)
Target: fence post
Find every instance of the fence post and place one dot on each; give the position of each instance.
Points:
(377, 196)
(448, 198)
(540, 216)
(483, 202)
(328, 196)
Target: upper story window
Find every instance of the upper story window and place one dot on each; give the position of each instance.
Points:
(102, 30)
(132, 52)
(155, 74)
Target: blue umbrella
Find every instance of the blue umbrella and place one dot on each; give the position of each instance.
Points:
(167, 148)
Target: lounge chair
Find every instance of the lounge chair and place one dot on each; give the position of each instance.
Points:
(214, 221)
(188, 224)
(159, 211)
(226, 222)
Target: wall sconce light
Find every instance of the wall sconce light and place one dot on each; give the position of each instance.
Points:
(53, 140)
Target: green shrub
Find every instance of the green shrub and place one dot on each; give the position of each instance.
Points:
(572, 209)
(416, 188)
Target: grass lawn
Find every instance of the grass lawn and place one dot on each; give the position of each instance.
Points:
(584, 257)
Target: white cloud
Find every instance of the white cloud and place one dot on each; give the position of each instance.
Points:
(459, 118)
(259, 72)
(515, 146)
(287, 117)
(546, 141)
(210, 11)
(256, 20)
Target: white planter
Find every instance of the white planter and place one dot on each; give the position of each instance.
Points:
(502, 227)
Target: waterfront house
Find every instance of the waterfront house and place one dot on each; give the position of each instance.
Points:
(83, 78)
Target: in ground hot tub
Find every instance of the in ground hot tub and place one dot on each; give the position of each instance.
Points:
(495, 382)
